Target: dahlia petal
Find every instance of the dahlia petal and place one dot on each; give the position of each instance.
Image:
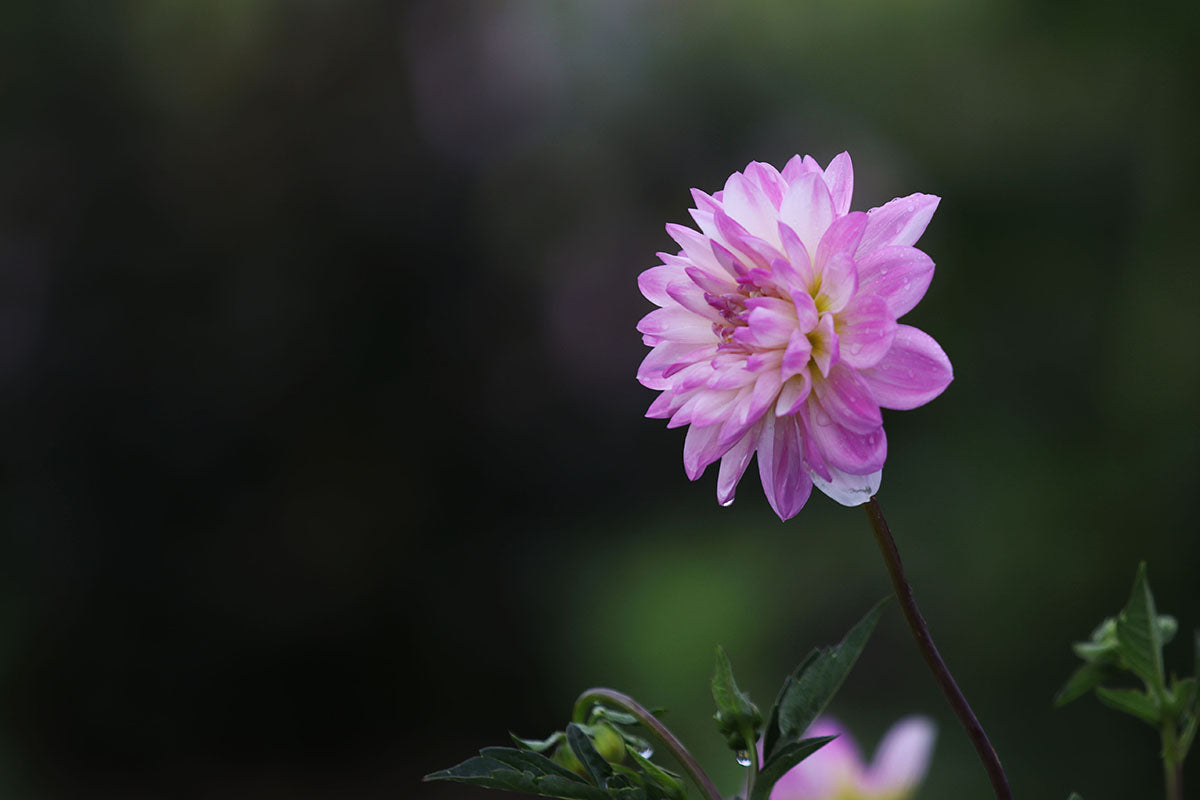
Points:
(914, 371)
(734, 463)
(798, 258)
(764, 360)
(678, 325)
(866, 330)
(827, 772)
(825, 350)
(765, 328)
(841, 448)
(842, 236)
(726, 259)
(812, 453)
(768, 179)
(687, 294)
(665, 405)
(751, 207)
(750, 407)
(732, 377)
(807, 315)
(797, 355)
(792, 394)
(808, 209)
(798, 166)
(708, 281)
(653, 283)
(899, 274)
(657, 361)
(705, 201)
(712, 408)
(781, 467)
(839, 177)
(902, 758)
(834, 262)
(700, 449)
(695, 246)
(848, 400)
(847, 489)
(705, 221)
(898, 222)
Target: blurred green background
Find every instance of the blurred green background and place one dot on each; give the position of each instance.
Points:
(323, 460)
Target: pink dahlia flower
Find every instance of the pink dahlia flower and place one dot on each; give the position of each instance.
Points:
(837, 771)
(776, 331)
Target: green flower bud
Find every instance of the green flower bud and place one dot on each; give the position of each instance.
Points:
(565, 758)
(608, 742)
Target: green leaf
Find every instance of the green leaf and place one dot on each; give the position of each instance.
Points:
(737, 718)
(614, 716)
(1138, 634)
(593, 762)
(1131, 701)
(771, 732)
(1087, 677)
(816, 681)
(520, 771)
(538, 745)
(1183, 696)
(668, 782)
(788, 756)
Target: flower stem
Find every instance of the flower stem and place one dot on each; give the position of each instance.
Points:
(626, 703)
(962, 709)
(1172, 762)
(752, 752)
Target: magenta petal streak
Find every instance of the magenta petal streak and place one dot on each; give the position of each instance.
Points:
(776, 331)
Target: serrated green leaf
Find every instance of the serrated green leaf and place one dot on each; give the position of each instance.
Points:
(788, 756)
(581, 745)
(737, 718)
(537, 775)
(1131, 701)
(1138, 635)
(1087, 677)
(538, 745)
(668, 782)
(818, 679)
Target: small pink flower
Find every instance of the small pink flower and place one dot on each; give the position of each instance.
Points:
(776, 331)
(837, 771)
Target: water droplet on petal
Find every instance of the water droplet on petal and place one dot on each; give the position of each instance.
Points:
(743, 757)
(727, 503)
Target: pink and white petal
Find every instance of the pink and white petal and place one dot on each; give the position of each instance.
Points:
(704, 201)
(846, 489)
(712, 408)
(844, 449)
(807, 209)
(713, 284)
(695, 246)
(813, 460)
(807, 315)
(798, 166)
(653, 282)
(914, 371)
(734, 463)
(900, 274)
(842, 236)
(700, 449)
(792, 394)
(781, 467)
(898, 222)
(751, 207)
(705, 221)
(687, 294)
(752, 404)
(768, 179)
(765, 328)
(666, 355)
(838, 283)
(797, 355)
(839, 177)
(866, 330)
(666, 404)
(825, 348)
(848, 400)
(902, 758)
(677, 324)
(798, 256)
(825, 773)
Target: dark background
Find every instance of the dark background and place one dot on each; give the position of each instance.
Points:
(323, 461)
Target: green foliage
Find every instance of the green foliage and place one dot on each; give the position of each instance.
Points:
(738, 719)
(787, 757)
(1132, 644)
(807, 691)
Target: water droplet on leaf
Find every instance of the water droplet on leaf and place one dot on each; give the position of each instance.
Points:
(743, 758)
(646, 751)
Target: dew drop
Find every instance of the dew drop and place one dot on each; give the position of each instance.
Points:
(727, 503)
(743, 758)
(646, 751)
